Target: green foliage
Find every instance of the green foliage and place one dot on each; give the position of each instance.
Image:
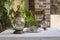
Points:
(22, 5)
(29, 18)
(5, 20)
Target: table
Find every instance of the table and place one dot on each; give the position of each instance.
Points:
(49, 34)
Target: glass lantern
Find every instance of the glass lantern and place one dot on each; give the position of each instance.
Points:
(18, 23)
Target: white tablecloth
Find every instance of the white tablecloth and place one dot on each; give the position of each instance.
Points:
(49, 34)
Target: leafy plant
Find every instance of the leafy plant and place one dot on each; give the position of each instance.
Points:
(5, 20)
(29, 18)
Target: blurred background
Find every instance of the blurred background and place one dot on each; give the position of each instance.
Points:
(35, 12)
